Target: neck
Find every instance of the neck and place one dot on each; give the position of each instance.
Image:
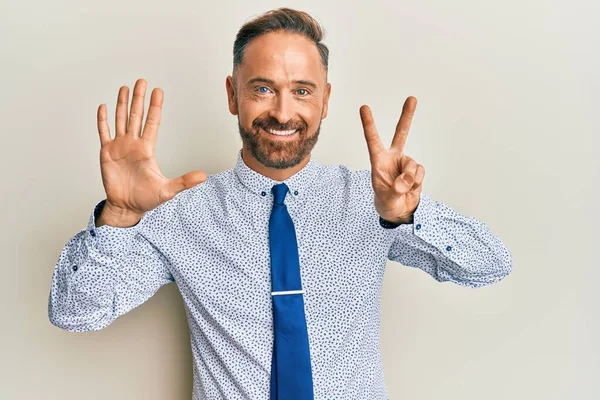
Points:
(279, 175)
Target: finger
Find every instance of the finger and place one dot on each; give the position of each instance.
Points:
(419, 177)
(103, 129)
(185, 181)
(400, 185)
(121, 112)
(407, 177)
(403, 126)
(371, 136)
(137, 108)
(154, 113)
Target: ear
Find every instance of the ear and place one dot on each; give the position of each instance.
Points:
(233, 109)
(326, 100)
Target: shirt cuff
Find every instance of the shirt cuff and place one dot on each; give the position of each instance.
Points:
(421, 216)
(108, 239)
(424, 214)
(430, 223)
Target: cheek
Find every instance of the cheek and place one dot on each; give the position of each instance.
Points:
(248, 112)
(313, 119)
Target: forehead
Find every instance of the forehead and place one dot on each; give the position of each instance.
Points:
(282, 57)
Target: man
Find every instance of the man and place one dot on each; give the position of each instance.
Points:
(280, 259)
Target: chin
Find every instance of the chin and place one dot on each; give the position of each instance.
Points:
(278, 160)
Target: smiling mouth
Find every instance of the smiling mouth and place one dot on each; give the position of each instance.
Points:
(281, 134)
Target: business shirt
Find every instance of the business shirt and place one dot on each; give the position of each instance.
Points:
(212, 241)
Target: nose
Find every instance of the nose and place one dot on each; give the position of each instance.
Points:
(282, 109)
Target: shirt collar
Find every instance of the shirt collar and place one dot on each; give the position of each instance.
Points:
(299, 184)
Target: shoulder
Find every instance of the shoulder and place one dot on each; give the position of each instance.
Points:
(343, 174)
(353, 186)
(357, 181)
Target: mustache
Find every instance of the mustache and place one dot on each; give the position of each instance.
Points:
(274, 124)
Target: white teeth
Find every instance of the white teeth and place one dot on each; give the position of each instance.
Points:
(282, 133)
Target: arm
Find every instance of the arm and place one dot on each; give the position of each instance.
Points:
(102, 273)
(449, 246)
(428, 234)
(112, 267)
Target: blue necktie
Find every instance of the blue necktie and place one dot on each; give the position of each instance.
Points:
(291, 375)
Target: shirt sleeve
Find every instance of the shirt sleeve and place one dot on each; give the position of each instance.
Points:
(450, 246)
(102, 273)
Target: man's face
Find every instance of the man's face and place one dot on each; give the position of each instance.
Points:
(280, 88)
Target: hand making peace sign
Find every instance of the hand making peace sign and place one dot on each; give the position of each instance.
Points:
(397, 179)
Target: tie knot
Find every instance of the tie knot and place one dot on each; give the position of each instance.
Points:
(279, 191)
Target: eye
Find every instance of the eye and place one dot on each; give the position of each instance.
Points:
(260, 89)
(304, 92)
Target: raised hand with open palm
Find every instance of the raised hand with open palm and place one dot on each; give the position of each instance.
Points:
(131, 177)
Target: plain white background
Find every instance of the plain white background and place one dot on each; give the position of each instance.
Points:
(506, 127)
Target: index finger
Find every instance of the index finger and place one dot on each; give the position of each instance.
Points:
(371, 135)
(154, 113)
(403, 126)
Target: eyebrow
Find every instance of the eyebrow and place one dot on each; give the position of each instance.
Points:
(272, 82)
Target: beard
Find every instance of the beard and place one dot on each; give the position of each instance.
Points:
(274, 153)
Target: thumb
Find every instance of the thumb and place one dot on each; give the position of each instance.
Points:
(185, 181)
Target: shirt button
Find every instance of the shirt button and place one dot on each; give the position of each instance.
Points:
(264, 193)
(93, 232)
(449, 248)
(295, 192)
(74, 267)
(418, 226)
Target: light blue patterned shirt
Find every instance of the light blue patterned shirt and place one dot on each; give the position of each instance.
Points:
(212, 241)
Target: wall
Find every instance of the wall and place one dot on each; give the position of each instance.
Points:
(506, 127)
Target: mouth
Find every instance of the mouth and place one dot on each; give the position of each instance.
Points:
(281, 135)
